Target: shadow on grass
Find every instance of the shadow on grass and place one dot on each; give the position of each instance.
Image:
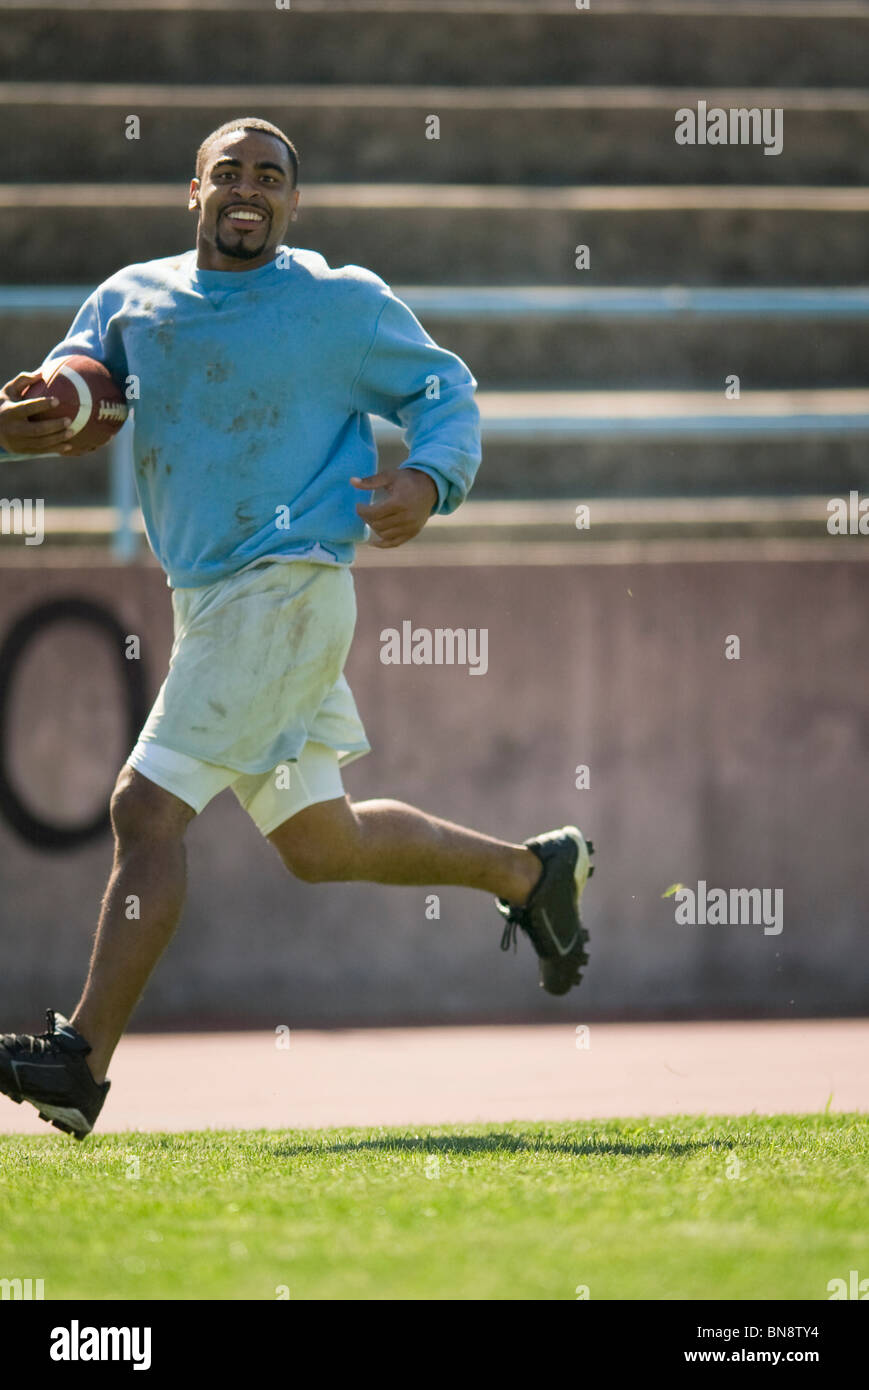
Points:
(496, 1143)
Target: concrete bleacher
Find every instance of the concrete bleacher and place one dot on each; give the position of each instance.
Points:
(468, 234)
(606, 135)
(491, 43)
(556, 131)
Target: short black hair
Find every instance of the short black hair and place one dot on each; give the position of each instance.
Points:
(247, 123)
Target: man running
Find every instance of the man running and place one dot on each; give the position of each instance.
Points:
(257, 367)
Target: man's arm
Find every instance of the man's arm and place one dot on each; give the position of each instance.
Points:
(408, 379)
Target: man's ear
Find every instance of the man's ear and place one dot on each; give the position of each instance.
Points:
(193, 202)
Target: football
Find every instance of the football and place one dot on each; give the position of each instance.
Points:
(88, 395)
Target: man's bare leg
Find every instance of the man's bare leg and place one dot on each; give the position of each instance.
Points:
(391, 842)
(374, 841)
(149, 869)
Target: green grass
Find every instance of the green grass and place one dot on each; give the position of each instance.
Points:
(630, 1208)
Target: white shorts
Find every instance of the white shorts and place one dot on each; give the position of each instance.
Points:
(255, 697)
(270, 798)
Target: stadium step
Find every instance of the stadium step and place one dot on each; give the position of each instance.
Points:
(533, 337)
(377, 134)
(650, 338)
(689, 443)
(530, 416)
(472, 234)
(612, 43)
(481, 524)
(599, 444)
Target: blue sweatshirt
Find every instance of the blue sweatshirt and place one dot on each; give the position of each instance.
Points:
(255, 389)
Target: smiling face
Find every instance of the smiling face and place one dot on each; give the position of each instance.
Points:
(245, 199)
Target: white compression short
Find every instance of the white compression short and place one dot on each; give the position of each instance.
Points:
(270, 798)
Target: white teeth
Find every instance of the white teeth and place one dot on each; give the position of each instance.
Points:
(247, 216)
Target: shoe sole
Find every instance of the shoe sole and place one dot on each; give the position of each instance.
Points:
(582, 872)
(65, 1118)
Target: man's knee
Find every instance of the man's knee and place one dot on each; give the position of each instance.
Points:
(315, 862)
(311, 865)
(141, 810)
(319, 844)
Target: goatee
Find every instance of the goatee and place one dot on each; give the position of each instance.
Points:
(240, 252)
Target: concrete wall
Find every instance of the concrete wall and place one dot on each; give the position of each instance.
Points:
(746, 773)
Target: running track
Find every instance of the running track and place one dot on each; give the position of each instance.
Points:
(431, 1076)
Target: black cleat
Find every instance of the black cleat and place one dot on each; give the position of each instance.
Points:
(49, 1070)
(551, 917)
